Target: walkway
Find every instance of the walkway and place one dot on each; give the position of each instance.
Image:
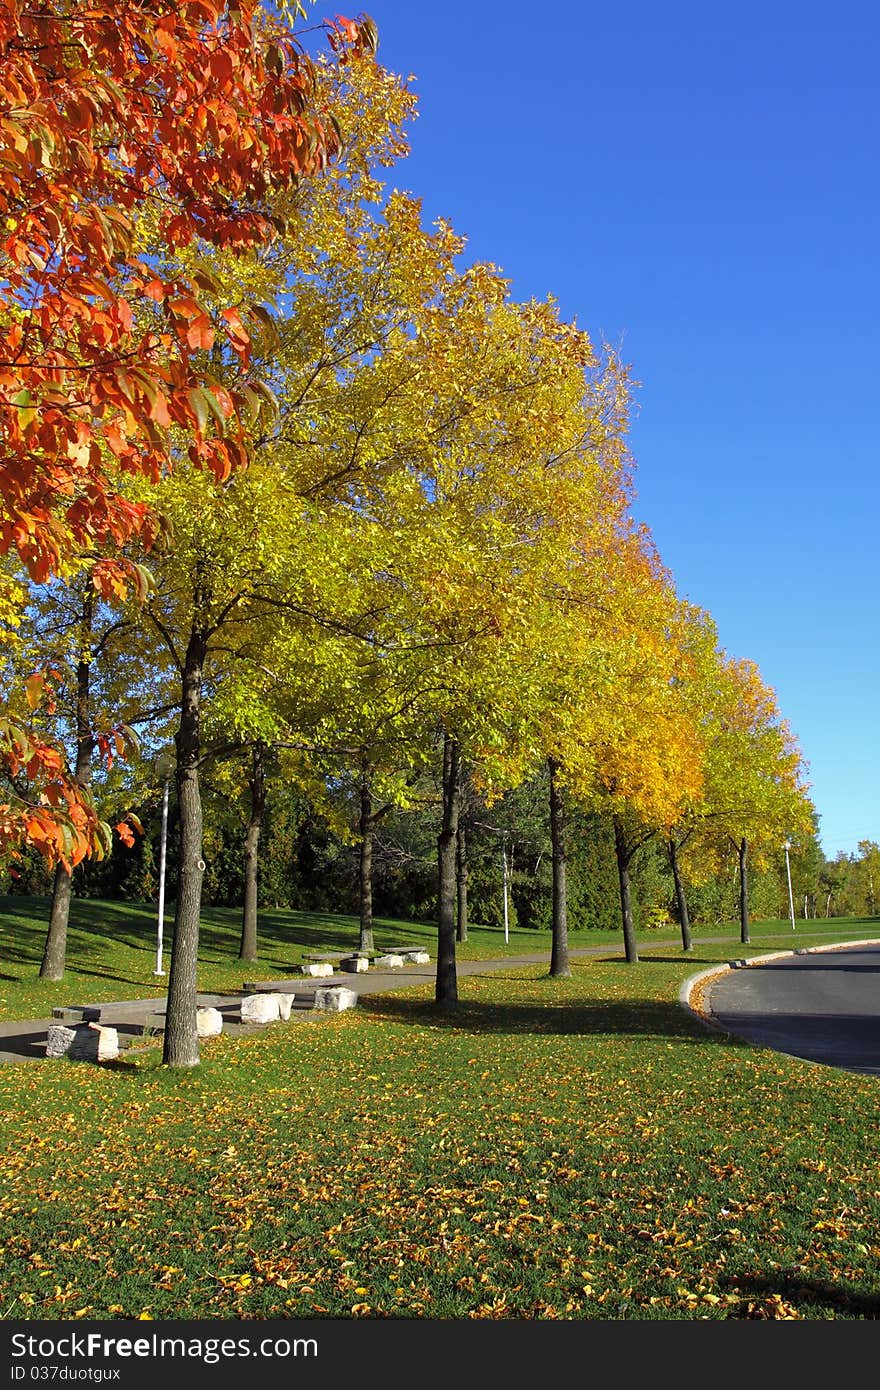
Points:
(745, 1002)
(25, 1039)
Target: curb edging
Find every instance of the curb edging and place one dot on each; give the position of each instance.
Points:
(689, 985)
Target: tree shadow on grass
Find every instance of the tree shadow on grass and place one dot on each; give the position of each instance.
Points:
(625, 1018)
(280, 931)
(99, 927)
(683, 959)
(803, 1293)
(79, 970)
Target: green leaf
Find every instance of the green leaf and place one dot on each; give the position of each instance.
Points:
(26, 408)
(200, 408)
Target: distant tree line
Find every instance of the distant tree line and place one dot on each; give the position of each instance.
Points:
(307, 865)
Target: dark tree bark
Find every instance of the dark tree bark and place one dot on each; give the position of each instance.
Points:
(625, 852)
(181, 1047)
(248, 947)
(55, 949)
(743, 852)
(681, 900)
(559, 962)
(461, 863)
(365, 828)
(446, 990)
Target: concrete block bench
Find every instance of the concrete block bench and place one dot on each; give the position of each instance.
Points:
(355, 964)
(77, 1013)
(412, 955)
(335, 998)
(266, 1007)
(209, 1023)
(83, 1042)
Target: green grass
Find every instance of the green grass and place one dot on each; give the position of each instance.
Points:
(111, 951)
(577, 1149)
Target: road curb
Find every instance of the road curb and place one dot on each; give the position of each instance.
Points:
(691, 995)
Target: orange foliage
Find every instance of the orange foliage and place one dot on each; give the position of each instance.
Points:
(102, 107)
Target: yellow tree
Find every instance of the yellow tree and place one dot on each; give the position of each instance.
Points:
(268, 554)
(631, 744)
(755, 796)
(511, 432)
(247, 557)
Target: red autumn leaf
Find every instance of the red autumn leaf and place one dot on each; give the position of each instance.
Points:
(104, 105)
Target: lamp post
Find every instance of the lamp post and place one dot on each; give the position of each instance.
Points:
(505, 872)
(504, 882)
(164, 766)
(787, 846)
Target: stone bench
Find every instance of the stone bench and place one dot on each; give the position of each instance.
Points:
(77, 1013)
(355, 964)
(412, 955)
(335, 998)
(209, 1023)
(83, 1042)
(267, 1006)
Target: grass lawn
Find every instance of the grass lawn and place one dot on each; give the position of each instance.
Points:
(577, 1149)
(111, 950)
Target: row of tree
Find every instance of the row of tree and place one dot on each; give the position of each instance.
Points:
(366, 519)
(312, 863)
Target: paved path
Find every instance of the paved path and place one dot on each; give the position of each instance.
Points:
(21, 1040)
(822, 1007)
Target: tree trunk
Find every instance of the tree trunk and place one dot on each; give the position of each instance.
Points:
(559, 963)
(446, 990)
(248, 947)
(461, 864)
(181, 1034)
(55, 949)
(624, 855)
(681, 900)
(365, 827)
(743, 851)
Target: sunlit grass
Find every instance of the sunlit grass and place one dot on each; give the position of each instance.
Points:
(112, 947)
(578, 1149)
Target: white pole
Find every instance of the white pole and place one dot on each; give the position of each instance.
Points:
(788, 875)
(504, 866)
(161, 920)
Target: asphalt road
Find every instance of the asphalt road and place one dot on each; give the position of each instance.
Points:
(822, 1007)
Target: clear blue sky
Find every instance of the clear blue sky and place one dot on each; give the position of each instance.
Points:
(699, 184)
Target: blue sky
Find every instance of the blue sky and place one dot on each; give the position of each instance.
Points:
(698, 184)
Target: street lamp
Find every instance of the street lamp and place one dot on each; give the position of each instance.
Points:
(504, 874)
(165, 764)
(787, 846)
